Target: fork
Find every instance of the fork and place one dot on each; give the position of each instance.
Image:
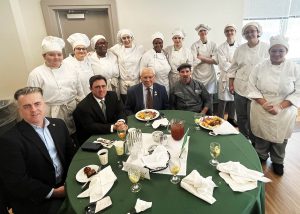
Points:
(85, 184)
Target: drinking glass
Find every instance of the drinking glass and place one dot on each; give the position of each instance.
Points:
(174, 166)
(134, 176)
(148, 117)
(197, 117)
(122, 134)
(177, 129)
(119, 146)
(215, 150)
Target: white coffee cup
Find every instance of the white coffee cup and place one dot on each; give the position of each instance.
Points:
(103, 156)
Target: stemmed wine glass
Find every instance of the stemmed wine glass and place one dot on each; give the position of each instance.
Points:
(174, 166)
(148, 117)
(119, 146)
(134, 176)
(215, 150)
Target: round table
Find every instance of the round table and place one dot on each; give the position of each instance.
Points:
(167, 197)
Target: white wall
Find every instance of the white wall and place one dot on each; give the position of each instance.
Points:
(145, 17)
(24, 29)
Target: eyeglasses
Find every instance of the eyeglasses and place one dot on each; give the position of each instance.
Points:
(80, 49)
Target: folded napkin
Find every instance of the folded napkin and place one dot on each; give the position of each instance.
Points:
(104, 142)
(224, 129)
(157, 159)
(160, 122)
(100, 184)
(201, 187)
(142, 205)
(239, 177)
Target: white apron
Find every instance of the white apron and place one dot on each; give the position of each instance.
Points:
(129, 65)
(275, 84)
(64, 112)
(203, 72)
(160, 64)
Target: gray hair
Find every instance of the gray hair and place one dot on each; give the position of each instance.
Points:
(27, 90)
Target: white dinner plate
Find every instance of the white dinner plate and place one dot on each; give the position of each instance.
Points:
(81, 176)
(151, 110)
(210, 127)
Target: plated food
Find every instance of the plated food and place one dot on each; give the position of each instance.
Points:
(147, 114)
(210, 122)
(84, 174)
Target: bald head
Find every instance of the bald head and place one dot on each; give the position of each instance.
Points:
(147, 76)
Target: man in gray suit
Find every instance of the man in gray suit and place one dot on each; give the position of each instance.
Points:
(34, 157)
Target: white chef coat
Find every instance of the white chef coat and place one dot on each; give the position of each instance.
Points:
(275, 83)
(225, 53)
(108, 67)
(203, 72)
(244, 60)
(160, 64)
(84, 70)
(176, 58)
(129, 64)
(61, 91)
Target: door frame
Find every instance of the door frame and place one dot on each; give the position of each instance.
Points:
(50, 10)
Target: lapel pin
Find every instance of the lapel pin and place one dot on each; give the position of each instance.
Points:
(53, 124)
(155, 93)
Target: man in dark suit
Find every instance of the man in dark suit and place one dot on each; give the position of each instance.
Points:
(34, 157)
(146, 94)
(100, 112)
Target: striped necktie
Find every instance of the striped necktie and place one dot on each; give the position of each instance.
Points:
(103, 108)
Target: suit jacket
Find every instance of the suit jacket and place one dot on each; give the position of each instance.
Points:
(90, 120)
(135, 98)
(27, 172)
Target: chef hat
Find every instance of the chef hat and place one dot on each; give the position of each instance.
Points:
(78, 39)
(95, 39)
(157, 35)
(122, 33)
(178, 32)
(255, 24)
(279, 40)
(202, 27)
(52, 43)
(230, 25)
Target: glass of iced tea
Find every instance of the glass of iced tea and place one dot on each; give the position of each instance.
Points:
(177, 129)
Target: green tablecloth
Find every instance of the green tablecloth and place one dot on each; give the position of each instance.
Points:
(167, 197)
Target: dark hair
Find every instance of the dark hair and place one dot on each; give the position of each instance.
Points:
(184, 65)
(95, 78)
(27, 90)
